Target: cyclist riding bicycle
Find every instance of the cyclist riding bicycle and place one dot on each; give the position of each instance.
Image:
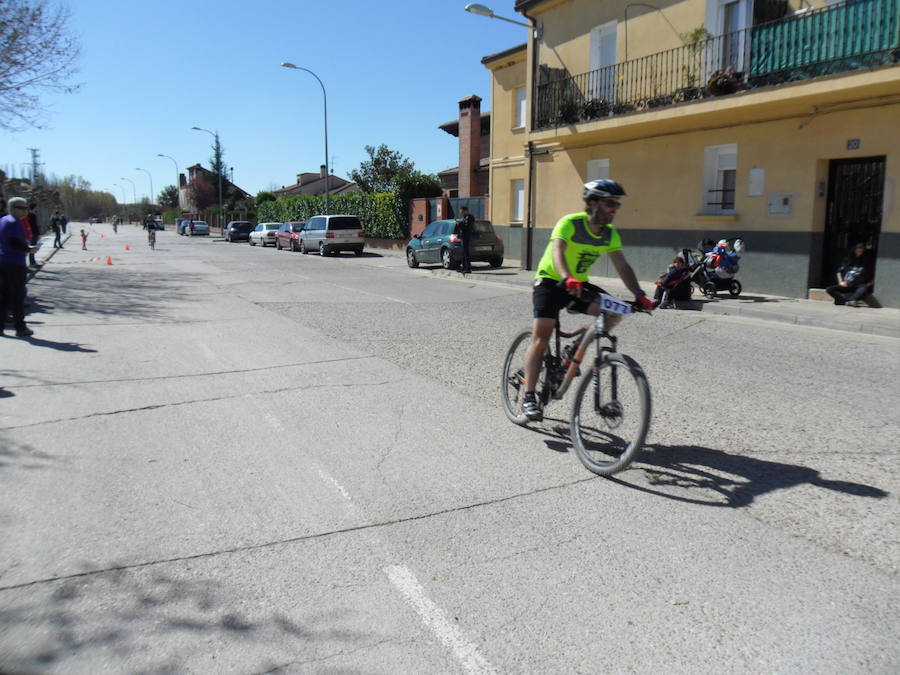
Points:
(577, 240)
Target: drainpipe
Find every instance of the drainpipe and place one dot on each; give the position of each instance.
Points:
(536, 35)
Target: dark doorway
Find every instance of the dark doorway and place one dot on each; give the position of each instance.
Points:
(853, 212)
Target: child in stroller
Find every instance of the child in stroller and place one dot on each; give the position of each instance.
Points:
(712, 269)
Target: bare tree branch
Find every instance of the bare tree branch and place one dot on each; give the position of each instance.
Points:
(37, 55)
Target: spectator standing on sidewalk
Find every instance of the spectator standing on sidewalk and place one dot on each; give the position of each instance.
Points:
(84, 240)
(32, 232)
(465, 225)
(56, 226)
(64, 222)
(13, 250)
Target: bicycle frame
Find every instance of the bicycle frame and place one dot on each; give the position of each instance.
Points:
(593, 333)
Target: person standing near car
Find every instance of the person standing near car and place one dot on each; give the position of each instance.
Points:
(465, 224)
(13, 251)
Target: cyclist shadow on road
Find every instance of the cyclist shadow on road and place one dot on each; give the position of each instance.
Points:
(737, 479)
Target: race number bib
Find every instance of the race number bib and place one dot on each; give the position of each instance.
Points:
(613, 305)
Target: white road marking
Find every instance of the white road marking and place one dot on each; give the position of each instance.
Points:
(435, 619)
(377, 295)
(207, 351)
(334, 482)
(274, 421)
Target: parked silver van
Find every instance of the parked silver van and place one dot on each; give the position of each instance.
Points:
(332, 234)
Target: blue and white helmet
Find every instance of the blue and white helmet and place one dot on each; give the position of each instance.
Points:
(605, 187)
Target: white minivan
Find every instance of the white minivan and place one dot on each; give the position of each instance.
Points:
(331, 234)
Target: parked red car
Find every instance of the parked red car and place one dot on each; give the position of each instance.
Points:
(286, 235)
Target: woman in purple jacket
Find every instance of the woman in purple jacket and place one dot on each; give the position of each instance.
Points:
(13, 251)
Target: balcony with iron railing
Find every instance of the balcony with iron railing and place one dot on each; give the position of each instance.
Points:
(856, 35)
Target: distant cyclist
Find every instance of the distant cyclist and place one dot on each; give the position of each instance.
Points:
(576, 242)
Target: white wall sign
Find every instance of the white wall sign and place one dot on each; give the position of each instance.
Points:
(756, 186)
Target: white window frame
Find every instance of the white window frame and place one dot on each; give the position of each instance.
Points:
(718, 160)
(597, 169)
(517, 200)
(519, 108)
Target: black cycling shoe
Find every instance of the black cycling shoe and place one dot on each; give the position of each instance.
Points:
(532, 410)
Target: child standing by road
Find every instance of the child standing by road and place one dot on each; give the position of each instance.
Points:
(83, 240)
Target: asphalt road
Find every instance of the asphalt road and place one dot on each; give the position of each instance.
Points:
(218, 458)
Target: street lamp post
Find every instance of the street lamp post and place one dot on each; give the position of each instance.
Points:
(221, 207)
(286, 64)
(133, 191)
(537, 32)
(177, 181)
(151, 185)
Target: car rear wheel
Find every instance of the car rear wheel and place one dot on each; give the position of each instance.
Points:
(496, 262)
(446, 260)
(303, 248)
(322, 251)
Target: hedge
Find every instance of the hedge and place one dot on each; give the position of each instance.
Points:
(383, 216)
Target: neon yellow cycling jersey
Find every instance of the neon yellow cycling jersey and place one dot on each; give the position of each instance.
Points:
(583, 247)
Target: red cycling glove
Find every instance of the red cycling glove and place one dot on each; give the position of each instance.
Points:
(644, 301)
(573, 285)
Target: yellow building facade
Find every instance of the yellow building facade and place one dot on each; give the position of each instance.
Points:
(776, 124)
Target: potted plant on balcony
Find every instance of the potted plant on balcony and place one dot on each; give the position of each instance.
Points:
(723, 82)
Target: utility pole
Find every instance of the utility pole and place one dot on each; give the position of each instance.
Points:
(35, 163)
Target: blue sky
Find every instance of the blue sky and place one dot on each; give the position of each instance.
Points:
(393, 71)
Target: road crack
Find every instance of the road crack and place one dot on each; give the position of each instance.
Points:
(303, 538)
(213, 399)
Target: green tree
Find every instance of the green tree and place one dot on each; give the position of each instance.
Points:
(264, 196)
(411, 184)
(38, 56)
(379, 172)
(168, 197)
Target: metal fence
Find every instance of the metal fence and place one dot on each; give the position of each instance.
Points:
(851, 36)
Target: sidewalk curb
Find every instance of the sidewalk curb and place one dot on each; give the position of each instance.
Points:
(881, 325)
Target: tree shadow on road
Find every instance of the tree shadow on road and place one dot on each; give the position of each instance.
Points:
(141, 620)
(118, 291)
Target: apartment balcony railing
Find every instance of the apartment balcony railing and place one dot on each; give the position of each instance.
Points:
(856, 35)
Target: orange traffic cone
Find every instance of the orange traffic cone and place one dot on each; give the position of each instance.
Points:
(127, 247)
(109, 260)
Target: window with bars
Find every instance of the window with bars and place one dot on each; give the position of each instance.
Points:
(719, 179)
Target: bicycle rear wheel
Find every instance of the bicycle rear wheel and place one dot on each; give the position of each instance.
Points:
(610, 421)
(512, 379)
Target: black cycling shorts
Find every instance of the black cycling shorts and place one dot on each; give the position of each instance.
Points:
(549, 298)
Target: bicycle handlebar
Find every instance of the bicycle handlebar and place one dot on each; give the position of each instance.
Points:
(591, 292)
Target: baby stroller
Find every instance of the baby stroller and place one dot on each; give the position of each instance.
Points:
(713, 270)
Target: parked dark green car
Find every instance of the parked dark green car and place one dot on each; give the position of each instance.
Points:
(439, 243)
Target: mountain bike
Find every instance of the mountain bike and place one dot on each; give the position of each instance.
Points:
(611, 411)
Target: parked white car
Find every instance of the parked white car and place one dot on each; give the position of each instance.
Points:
(264, 234)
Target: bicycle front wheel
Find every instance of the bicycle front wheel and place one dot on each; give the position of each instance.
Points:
(611, 415)
(512, 379)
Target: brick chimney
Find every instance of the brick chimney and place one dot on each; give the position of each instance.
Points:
(469, 145)
(322, 171)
